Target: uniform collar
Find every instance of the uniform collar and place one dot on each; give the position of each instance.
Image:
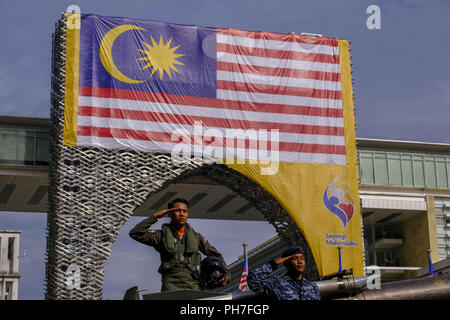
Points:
(186, 229)
(289, 278)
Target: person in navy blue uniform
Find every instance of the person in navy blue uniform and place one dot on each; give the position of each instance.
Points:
(290, 286)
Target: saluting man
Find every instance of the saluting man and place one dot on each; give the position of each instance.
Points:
(179, 246)
(290, 286)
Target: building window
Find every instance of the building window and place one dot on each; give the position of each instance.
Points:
(42, 149)
(366, 168)
(441, 172)
(24, 147)
(381, 168)
(10, 248)
(404, 169)
(8, 291)
(394, 169)
(407, 170)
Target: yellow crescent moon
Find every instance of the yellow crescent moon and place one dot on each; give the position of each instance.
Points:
(106, 52)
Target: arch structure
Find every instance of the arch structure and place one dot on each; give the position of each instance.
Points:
(94, 191)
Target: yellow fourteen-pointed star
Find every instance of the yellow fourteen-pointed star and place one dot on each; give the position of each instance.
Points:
(161, 57)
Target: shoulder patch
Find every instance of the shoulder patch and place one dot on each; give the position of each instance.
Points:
(151, 231)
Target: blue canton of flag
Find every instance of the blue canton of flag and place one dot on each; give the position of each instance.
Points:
(147, 56)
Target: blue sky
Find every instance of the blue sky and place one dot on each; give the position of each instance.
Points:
(400, 72)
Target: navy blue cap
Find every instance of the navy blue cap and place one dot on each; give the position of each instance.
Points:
(291, 250)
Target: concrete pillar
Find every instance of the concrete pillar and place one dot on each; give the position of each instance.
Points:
(15, 290)
(16, 253)
(432, 231)
(4, 265)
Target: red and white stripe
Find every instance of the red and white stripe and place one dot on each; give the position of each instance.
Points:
(243, 282)
(287, 85)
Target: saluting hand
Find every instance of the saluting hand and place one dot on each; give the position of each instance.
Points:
(281, 260)
(162, 213)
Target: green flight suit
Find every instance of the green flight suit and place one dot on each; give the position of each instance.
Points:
(180, 257)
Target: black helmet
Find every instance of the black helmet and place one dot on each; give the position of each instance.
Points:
(212, 270)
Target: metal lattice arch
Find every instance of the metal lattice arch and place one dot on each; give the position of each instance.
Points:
(94, 191)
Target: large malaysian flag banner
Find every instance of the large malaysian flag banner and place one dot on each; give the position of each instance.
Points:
(282, 103)
(149, 86)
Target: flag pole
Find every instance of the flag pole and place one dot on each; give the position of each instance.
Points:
(245, 250)
(246, 262)
(340, 258)
(243, 283)
(430, 264)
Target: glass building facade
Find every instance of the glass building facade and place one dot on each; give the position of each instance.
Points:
(404, 169)
(21, 147)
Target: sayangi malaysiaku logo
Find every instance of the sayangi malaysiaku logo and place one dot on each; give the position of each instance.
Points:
(338, 200)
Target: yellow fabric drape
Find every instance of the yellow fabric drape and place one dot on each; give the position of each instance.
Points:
(300, 187)
(71, 80)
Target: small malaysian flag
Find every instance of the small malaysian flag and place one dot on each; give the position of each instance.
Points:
(243, 283)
